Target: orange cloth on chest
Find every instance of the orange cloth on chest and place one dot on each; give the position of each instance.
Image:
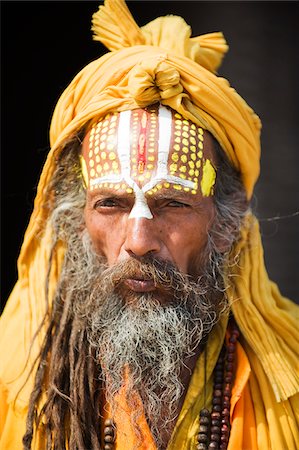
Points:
(243, 426)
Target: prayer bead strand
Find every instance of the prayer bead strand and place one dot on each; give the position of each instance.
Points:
(214, 428)
(228, 384)
(109, 435)
(217, 402)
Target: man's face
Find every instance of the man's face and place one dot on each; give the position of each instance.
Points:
(137, 207)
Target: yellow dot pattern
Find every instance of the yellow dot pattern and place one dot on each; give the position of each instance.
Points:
(186, 157)
(102, 155)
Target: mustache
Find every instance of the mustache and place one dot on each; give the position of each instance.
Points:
(165, 275)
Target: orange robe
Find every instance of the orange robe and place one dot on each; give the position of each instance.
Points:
(243, 425)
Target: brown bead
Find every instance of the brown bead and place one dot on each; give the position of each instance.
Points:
(201, 446)
(226, 398)
(202, 438)
(233, 339)
(223, 446)
(218, 380)
(108, 423)
(224, 428)
(203, 428)
(108, 439)
(213, 445)
(217, 408)
(217, 393)
(216, 423)
(231, 348)
(231, 357)
(215, 437)
(108, 446)
(230, 366)
(204, 421)
(218, 386)
(204, 412)
(224, 438)
(215, 429)
(225, 412)
(226, 403)
(215, 415)
(217, 401)
(108, 430)
(236, 332)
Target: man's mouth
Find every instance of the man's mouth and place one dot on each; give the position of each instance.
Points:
(140, 284)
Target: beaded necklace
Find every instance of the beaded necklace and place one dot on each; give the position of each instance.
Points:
(214, 426)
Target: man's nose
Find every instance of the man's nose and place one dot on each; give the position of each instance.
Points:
(142, 237)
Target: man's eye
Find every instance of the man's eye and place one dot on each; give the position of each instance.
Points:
(176, 204)
(106, 203)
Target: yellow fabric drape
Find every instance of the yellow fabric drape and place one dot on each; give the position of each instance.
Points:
(268, 321)
(146, 65)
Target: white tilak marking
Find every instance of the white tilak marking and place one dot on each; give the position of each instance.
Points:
(123, 145)
(165, 125)
(140, 208)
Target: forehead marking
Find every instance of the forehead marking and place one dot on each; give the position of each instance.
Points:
(165, 128)
(165, 124)
(140, 208)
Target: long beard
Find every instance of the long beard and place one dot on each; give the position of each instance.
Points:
(138, 335)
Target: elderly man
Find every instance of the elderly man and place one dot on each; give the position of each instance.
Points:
(143, 316)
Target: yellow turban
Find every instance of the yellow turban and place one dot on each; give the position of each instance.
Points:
(159, 62)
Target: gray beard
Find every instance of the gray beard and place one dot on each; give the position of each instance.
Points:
(128, 330)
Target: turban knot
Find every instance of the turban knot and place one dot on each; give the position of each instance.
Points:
(153, 81)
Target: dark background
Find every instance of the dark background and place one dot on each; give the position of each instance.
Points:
(44, 44)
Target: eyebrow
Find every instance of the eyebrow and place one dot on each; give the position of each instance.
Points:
(169, 193)
(110, 192)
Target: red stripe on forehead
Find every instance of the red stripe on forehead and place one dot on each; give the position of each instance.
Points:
(141, 152)
(144, 140)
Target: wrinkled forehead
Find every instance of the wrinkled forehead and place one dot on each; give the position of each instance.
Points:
(148, 149)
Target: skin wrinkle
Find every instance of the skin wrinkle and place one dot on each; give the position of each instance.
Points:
(66, 348)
